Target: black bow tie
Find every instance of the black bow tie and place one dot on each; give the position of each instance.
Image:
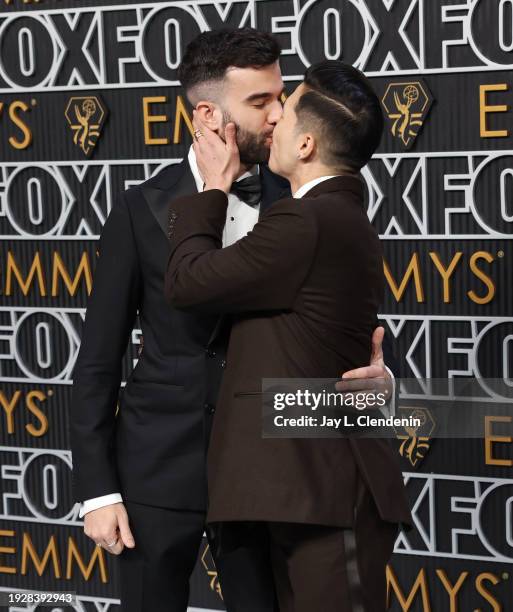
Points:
(249, 190)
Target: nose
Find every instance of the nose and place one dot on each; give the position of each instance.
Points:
(275, 112)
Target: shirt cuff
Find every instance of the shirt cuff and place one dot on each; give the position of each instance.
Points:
(98, 502)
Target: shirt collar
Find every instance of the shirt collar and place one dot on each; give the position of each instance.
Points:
(198, 178)
(307, 186)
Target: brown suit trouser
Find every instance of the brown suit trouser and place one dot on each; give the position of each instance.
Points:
(325, 569)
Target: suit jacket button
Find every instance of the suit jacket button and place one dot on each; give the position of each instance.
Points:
(223, 363)
(210, 408)
(210, 352)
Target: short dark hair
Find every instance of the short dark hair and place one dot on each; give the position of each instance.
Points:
(210, 54)
(342, 106)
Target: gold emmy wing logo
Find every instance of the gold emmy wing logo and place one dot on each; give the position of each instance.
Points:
(407, 106)
(416, 438)
(210, 568)
(85, 116)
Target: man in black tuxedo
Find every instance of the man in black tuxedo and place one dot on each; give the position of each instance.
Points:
(140, 471)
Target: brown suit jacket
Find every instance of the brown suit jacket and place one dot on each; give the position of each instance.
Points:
(304, 289)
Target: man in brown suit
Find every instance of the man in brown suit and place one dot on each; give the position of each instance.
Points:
(303, 289)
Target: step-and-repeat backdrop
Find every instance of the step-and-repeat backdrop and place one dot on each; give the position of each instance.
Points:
(90, 105)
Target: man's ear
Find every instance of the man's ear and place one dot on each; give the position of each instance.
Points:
(210, 114)
(307, 146)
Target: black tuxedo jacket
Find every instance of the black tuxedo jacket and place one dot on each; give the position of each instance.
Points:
(153, 449)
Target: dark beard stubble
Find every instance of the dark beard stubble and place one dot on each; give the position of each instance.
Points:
(252, 147)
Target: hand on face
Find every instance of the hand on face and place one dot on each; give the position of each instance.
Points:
(218, 161)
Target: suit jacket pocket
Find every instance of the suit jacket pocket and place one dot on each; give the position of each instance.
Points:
(137, 386)
(148, 401)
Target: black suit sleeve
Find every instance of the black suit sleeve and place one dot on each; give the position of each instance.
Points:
(111, 312)
(262, 271)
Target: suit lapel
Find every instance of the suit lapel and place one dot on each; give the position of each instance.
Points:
(165, 191)
(167, 188)
(179, 181)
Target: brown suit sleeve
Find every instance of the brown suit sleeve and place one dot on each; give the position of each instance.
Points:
(262, 271)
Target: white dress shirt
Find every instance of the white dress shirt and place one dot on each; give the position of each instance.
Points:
(311, 184)
(240, 219)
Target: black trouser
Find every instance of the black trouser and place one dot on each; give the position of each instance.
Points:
(155, 574)
(243, 560)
